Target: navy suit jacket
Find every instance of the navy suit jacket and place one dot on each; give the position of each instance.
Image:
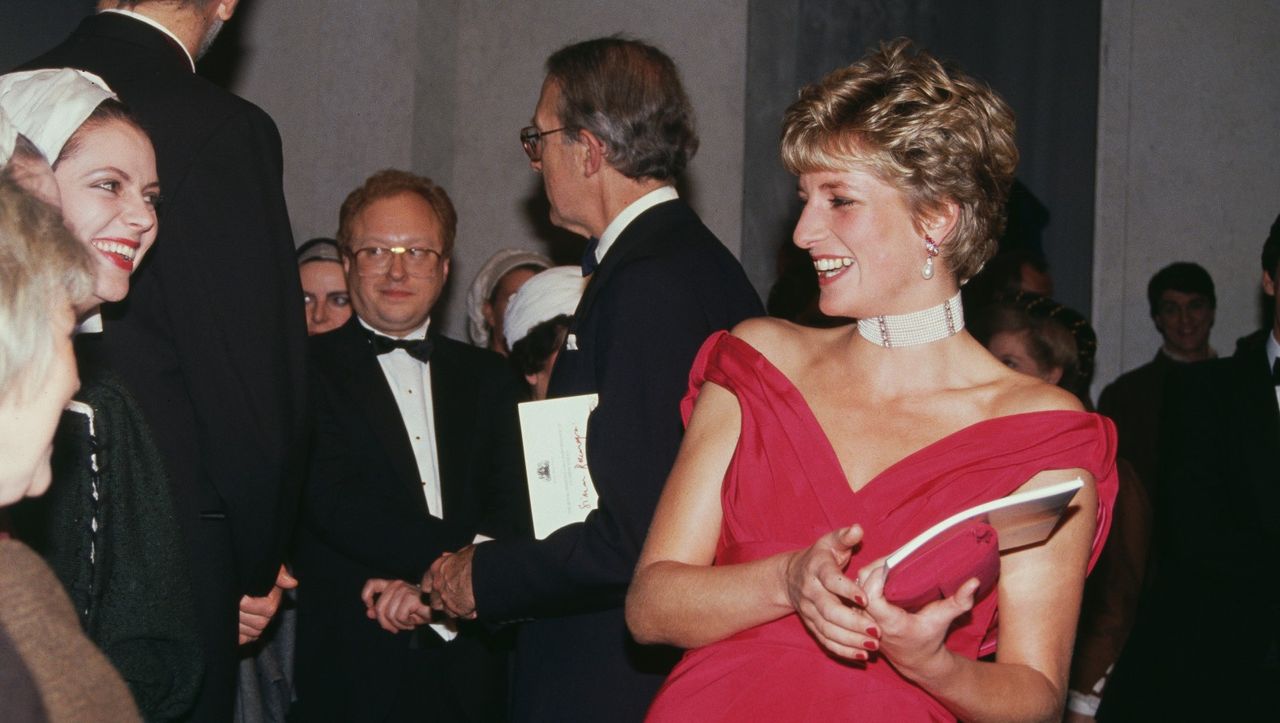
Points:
(364, 516)
(662, 288)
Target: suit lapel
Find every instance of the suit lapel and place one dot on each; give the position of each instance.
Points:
(1255, 405)
(454, 417)
(360, 378)
(573, 373)
(635, 240)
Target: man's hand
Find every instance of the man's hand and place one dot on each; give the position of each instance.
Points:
(395, 604)
(256, 612)
(448, 582)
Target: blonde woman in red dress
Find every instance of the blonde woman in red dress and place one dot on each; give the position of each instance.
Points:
(811, 454)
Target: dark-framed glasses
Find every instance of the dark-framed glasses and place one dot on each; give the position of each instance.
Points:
(531, 139)
(376, 260)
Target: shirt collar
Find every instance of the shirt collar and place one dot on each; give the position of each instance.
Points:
(1273, 348)
(419, 333)
(144, 19)
(629, 214)
(1181, 359)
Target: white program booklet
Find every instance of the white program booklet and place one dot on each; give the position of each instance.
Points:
(554, 433)
(1020, 519)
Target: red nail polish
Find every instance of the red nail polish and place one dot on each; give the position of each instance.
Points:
(871, 645)
(873, 632)
(860, 601)
(860, 656)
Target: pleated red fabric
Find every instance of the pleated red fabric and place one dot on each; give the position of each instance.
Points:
(785, 488)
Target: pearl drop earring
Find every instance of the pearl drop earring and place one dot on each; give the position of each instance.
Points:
(932, 248)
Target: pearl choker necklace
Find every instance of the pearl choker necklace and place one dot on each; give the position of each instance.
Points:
(918, 327)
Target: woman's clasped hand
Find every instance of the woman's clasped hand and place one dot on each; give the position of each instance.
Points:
(850, 617)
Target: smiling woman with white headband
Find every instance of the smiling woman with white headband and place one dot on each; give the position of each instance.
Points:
(102, 160)
(107, 526)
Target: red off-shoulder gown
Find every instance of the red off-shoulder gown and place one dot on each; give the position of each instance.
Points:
(785, 488)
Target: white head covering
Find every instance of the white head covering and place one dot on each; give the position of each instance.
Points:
(48, 106)
(319, 249)
(551, 293)
(487, 280)
(8, 139)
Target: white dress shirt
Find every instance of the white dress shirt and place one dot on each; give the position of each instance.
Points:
(410, 382)
(629, 214)
(620, 224)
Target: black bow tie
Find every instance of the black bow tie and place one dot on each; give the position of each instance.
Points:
(589, 262)
(1275, 372)
(419, 349)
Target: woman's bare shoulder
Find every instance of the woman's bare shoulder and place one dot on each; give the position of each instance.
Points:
(785, 344)
(1022, 393)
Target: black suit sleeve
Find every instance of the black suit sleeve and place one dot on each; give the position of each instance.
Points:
(357, 503)
(504, 496)
(234, 302)
(656, 321)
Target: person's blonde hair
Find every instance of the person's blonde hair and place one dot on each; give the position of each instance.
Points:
(43, 269)
(926, 128)
(392, 182)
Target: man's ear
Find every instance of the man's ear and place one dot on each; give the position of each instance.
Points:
(1268, 284)
(595, 150)
(227, 8)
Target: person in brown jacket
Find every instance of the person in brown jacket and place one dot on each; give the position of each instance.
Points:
(44, 273)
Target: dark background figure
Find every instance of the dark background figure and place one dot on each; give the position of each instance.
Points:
(537, 321)
(500, 277)
(1036, 335)
(211, 339)
(1183, 303)
(324, 285)
(533, 356)
(1207, 644)
(394, 482)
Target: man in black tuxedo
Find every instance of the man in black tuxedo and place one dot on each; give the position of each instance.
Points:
(211, 339)
(1206, 645)
(611, 132)
(417, 453)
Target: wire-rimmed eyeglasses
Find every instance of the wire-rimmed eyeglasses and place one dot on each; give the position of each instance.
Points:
(531, 140)
(418, 261)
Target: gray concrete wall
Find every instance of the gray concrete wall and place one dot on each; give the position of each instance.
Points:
(1188, 142)
(337, 85)
(443, 86)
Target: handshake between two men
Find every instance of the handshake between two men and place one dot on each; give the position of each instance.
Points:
(398, 605)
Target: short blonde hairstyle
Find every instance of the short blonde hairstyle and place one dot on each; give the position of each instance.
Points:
(43, 268)
(928, 129)
(392, 182)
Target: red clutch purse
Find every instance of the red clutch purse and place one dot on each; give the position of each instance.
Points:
(943, 564)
